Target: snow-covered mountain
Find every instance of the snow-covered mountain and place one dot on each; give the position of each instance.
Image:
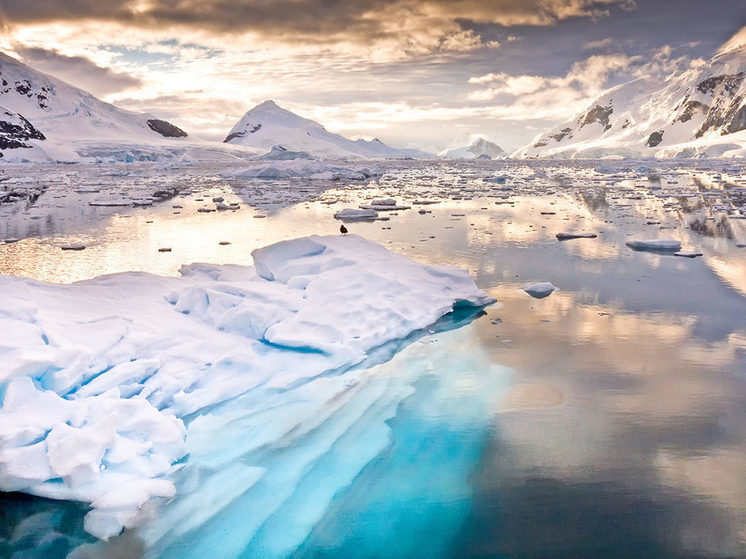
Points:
(479, 148)
(42, 117)
(699, 112)
(268, 125)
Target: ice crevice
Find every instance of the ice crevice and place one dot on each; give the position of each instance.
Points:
(107, 385)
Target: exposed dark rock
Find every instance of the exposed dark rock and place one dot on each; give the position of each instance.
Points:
(729, 82)
(738, 122)
(725, 114)
(233, 136)
(16, 130)
(655, 138)
(540, 144)
(166, 129)
(690, 109)
(23, 87)
(562, 133)
(598, 114)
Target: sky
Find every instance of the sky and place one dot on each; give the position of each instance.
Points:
(430, 74)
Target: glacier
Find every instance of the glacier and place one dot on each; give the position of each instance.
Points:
(120, 391)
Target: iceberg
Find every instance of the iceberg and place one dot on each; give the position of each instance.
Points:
(352, 214)
(107, 384)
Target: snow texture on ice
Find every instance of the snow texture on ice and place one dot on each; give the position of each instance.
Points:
(101, 379)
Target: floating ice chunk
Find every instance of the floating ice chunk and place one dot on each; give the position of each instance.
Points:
(383, 208)
(568, 236)
(687, 254)
(656, 245)
(302, 168)
(539, 290)
(351, 214)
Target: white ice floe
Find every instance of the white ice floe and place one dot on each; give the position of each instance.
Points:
(351, 214)
(100, 380)
(539, 290)
(662, 245)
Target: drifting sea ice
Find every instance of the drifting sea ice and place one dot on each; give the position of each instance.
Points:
(102, 379)
(539, 290)
(662, 245)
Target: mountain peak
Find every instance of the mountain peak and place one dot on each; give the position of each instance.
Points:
(268, 124)
(268, 104)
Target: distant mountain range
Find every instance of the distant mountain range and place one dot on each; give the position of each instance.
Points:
(268, 125)
(478, 149)
(699, 112)
(40, 113)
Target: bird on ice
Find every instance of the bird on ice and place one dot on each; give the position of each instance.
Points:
(343, 229)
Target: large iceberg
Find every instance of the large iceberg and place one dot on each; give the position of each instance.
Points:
(101, 380)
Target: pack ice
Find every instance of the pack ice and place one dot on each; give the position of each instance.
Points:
(100, 380)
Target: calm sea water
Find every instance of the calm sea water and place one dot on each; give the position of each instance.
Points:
(606, 420)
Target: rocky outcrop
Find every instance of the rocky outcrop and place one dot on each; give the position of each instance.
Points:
(165, 128)
(655, 138)
(598, 114)
(16, 131)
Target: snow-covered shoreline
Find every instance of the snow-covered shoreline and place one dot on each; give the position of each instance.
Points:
(101, 378)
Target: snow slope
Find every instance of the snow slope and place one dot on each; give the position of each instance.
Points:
(699, 112)
(64, 117)
(104, 381)
(478, 148)
(268, 125)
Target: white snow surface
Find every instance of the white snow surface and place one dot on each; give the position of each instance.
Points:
(100, 378)
(268, 125)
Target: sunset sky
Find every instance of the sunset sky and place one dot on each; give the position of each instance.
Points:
(430, 74)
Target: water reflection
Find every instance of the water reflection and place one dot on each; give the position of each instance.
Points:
(606, 420)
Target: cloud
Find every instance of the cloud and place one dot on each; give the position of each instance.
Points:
(527, 97)
(428, 23)
(599, 45)
(77, 70)
(736, 41)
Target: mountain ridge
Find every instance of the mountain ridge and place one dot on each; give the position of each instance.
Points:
(41, 113)
(694, 113)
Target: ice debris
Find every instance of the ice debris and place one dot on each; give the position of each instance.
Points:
(661, 245)
(539, 290)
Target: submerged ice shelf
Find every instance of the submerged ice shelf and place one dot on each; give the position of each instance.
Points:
(109, 385)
